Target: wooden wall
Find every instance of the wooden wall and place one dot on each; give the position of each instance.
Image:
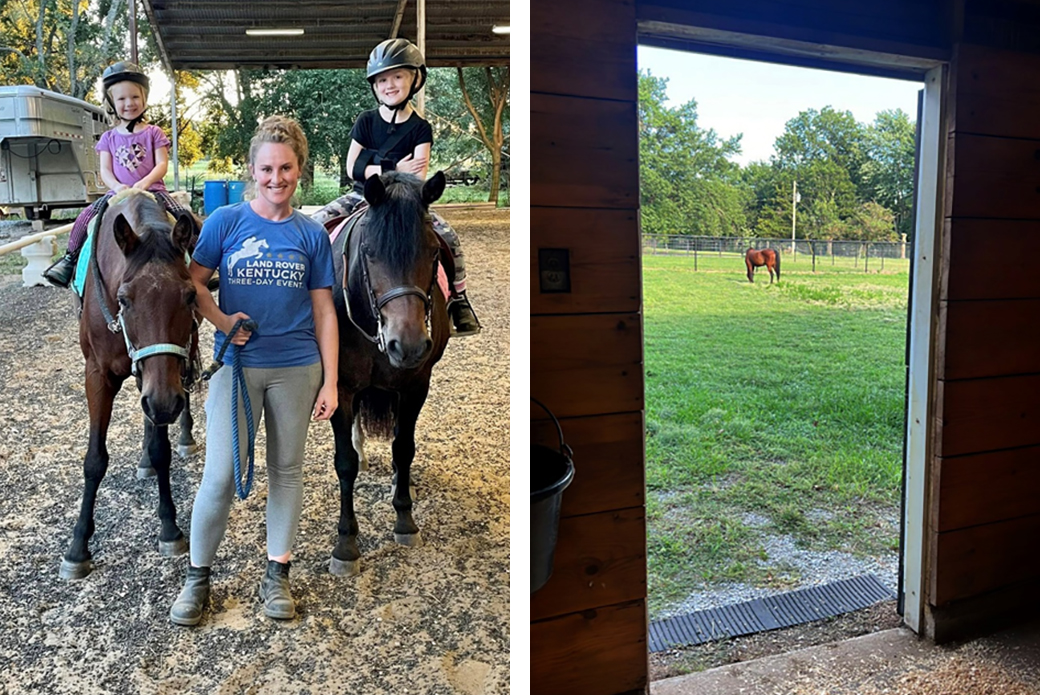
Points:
(986, 475)
(588, 624)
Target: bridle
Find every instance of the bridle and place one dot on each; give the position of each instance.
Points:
(117, 324)
(375, 304)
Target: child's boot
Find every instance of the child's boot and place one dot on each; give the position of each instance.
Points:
(187, 609)
(60, 273)
(462, 316)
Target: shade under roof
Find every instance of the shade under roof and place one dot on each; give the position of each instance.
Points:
(211, 34)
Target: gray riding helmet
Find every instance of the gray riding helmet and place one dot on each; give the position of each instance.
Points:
(396, 53)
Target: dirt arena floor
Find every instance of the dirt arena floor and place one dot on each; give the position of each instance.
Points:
(429, 620)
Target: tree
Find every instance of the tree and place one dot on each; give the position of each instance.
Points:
(687, 183)
(487, 101)
(888, 171)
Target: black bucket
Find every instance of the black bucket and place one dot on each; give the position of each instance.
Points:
(551, 472)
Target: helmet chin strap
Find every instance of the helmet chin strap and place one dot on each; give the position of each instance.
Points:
(130, 125)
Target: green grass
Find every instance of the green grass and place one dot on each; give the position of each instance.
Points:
(781, 402)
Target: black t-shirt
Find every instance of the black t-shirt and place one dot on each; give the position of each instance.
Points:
(370, 131)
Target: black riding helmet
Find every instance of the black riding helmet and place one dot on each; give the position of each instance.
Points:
(123, 71)
(390, 55)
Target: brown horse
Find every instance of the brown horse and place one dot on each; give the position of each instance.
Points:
(393, 328)
(137, 319)
(766, 257)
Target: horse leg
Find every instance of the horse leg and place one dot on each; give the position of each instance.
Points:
(770, 266)
(171, 540)
(101, 392)
(750, 270)
(405, 530)
(186, 445)
(346, 558)
(357, 435)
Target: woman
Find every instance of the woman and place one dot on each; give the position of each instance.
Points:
(276, 269)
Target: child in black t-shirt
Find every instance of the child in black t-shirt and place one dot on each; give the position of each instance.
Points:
(396, 138)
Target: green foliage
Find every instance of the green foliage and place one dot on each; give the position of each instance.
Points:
(888, 172)
(687, 183)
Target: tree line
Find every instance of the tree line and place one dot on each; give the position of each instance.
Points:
(854, 180)
(64, 45)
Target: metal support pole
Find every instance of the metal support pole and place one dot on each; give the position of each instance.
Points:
(133, 32)
(420, 20)
(173, 128)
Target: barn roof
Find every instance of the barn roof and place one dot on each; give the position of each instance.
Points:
(211, 34)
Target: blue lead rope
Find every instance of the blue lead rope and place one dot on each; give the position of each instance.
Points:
(238, 382)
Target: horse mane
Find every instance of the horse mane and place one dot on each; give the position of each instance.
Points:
(152, 224)
(398, 223)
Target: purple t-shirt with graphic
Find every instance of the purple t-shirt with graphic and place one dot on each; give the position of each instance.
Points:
(133, 156)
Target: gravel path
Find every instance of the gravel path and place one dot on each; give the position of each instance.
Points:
(426, 620)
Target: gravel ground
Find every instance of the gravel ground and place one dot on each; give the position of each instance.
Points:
(427, 620)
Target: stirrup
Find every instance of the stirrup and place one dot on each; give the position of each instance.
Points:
(463, 304)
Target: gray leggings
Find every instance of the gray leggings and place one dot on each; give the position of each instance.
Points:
(286, 395)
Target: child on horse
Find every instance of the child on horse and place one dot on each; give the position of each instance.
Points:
(133, 155)
(396, 138)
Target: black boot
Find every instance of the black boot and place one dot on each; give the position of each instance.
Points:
(60, 273)
(187, 609)
(462, 316)
(274, 591)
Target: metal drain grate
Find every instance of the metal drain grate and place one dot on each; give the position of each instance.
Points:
(760, 615)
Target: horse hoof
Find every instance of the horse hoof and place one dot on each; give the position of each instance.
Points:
(144, 473)
(74, 570)
(185, 450)
(410, 540)
(173, 548)
(344, 568)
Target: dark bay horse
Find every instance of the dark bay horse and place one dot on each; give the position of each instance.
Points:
(393, 328)
(137, 319)
(766, 257)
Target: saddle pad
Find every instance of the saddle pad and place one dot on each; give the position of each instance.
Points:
(83, 263)
(442, 276)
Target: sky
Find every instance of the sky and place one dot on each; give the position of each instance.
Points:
(757, 99)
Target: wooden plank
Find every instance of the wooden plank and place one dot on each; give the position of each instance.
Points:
(995, 92)
(585, 153)
(989, 414)
(595, 652)
(600, 560)
(604, 260)
(587, 365)
(584, 48)
(975, 560)
(608, 461)
(993, 177)
(986, 488)
(984, 262)
(990, 338)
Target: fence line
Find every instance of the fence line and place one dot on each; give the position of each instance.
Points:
(869, 253)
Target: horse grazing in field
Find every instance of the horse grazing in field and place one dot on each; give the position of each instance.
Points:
(393, 328)
(138, 318)
(766, 257)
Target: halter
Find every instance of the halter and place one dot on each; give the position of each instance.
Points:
(375, 304)
(118, 323)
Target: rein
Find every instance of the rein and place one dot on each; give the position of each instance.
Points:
(117, 324)
(375, 304)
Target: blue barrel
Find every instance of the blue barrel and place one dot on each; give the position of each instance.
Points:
(214, 194)
(235, 191)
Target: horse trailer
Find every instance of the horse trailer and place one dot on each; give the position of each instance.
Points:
(47, 157)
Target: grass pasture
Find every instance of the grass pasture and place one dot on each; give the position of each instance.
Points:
(772, 411)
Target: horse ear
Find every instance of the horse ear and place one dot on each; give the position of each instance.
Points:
(183, 231)
(375, 191)
(124, 234)
(434, 188)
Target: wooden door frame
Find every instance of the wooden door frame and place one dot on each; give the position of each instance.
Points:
(933, 72)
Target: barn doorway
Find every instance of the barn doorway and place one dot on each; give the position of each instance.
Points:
(785, 438)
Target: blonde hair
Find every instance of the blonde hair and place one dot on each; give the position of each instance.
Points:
(283, 130)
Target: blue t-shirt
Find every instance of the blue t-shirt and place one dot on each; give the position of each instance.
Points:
(267, 270)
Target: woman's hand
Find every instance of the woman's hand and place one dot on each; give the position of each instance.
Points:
(411, 165)
(326, 403)
(242, 336)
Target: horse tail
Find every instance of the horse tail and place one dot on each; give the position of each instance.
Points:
(776, 255)
(378, 410)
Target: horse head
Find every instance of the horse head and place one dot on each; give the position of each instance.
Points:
(398, 254)
(155, 297)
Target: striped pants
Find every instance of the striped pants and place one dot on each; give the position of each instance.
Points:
(82, 223)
